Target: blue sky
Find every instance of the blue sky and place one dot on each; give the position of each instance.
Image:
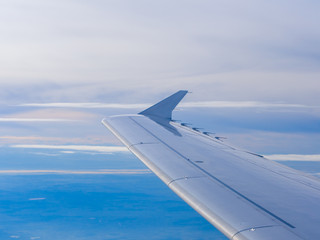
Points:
(253, 68)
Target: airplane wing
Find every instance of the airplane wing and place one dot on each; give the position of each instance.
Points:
(244, 195)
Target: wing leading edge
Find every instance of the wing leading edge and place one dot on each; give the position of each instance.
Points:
(244, 195)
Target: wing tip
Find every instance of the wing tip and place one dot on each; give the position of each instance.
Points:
(164, 108)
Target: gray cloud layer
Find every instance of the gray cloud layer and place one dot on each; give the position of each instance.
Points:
(221, 50)
(262, 54)
(204, 104)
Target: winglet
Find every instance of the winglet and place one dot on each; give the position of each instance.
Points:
(164, 108)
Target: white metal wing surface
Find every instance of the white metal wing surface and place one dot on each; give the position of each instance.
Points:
(243, 194)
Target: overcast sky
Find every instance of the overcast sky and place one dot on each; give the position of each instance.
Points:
(78, 50)
(257, 61)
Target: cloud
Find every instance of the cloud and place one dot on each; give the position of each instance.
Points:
(36, 120)
(67, 152)
(294, 157)
(46, 115)
(200, 104)
(85, 139)
(223, 49)
(240, 104)
(100, 149)
(27, 138)
(85, 105)
(96, 172)
(47, 154)
(114, 40)
(140, 51)
(36, 199)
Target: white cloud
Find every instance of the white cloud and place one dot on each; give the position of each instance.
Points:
(36, 199)
(36, 120)
(126, 41)
(67, 152)
(294, 157)
(100, 149)
(47, 154)
(84, 139)
(240, 104)
(86, 105)
(98, 172)
(140, 51)
(46, 115)
(202, 104)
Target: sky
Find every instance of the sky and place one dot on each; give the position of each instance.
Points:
(112, 51)
(252, 67)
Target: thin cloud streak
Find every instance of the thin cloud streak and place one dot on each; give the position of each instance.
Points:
(47, 154)
(85, 105)
(62, 140)
(203, 104)
(100, 149)
(241, 104)
(36, 199)
(294, 157)
(98, 172)
(36, 120)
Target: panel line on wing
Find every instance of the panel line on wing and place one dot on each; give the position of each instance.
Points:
(140, 143)
(254, 163)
